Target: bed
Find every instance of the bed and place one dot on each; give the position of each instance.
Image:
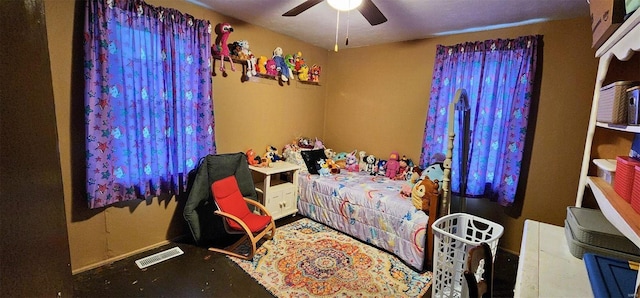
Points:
(371, 208)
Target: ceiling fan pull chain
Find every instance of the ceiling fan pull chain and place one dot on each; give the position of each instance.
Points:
(348, 22)
(335, 48)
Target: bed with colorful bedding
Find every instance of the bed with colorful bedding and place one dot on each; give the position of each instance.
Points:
(369, 208)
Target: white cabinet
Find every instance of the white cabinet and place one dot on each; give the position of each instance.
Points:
(622, 45)
(279, 186)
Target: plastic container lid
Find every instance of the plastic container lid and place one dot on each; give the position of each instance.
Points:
(608, 165)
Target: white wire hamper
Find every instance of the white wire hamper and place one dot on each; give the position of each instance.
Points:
(454, 235)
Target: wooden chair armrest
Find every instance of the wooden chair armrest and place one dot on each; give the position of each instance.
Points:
(236, 219)
(262, 208)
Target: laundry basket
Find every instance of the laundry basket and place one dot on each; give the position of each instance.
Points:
(454, 235)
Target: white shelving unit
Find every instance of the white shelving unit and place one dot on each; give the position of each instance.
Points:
(623, 44)
(280, 196)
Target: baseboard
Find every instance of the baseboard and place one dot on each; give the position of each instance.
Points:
(126, 255)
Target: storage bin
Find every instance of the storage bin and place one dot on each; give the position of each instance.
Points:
(625, 172)
(633, 97)
(454, 235)
(613, 103)
(635, 190)
(589, 226)
(578, 249)
(606, 169)
(606, 17)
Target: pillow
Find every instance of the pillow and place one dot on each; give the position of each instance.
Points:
(311, 158)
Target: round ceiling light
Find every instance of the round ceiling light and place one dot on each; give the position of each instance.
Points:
(344, 5)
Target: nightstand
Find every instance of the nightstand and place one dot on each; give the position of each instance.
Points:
(279, 188)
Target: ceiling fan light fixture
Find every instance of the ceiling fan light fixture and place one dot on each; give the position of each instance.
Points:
(344, 5)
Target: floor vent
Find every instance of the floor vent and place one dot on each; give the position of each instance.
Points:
(159, 257)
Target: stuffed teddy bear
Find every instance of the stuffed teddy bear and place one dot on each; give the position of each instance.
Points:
(393, 165)
(434, 172)
(423, 193)
(352, 162)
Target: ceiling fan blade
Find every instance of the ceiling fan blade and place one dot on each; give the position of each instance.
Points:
(371, 12)
(300, 8)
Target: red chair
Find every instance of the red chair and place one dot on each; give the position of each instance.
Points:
(238, 219)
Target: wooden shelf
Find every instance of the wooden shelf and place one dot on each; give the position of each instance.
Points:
(619, 127)
(616, 209)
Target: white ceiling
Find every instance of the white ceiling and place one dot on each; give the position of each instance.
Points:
(407, 19)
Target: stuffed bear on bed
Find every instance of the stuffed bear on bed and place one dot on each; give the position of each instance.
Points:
(423, 193)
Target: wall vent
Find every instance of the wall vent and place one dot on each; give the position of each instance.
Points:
(159, 257)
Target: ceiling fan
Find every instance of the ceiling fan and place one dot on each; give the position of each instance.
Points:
(369, 10)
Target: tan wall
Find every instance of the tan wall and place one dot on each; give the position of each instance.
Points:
(385, 90)
(372, 99)
(247, 115)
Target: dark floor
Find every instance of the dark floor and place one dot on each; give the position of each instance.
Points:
(201, 273)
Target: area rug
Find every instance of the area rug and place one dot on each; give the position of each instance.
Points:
(308, 259)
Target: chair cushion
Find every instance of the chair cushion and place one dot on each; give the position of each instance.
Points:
(229, 200)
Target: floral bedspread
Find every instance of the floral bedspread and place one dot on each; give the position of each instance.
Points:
(369, 208)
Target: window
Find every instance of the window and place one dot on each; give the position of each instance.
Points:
(148, 106)
(499, 78)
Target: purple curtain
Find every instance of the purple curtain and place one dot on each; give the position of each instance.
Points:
(499, 78)
(148, 106)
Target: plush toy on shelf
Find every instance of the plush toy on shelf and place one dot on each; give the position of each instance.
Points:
(271, 68)
(290, 61)
(246, 54)
(299, 61)
(303, 73)
(221, 49)
(393, 165)
(261, 66)
(281, 66)
(314, 73)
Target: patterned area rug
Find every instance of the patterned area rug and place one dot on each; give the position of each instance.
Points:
(306, 258)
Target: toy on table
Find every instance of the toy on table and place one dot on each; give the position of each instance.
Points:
(393, 165)
(272, 154)
(220, 48)
(252, 158)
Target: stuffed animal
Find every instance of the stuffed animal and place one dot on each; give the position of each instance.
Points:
(423, 193)
(382, 165)
(393, 165)
(299, 61)
(341, 159)
(329, 153)
(434, 172)
(271, 68)
(361, 162)
(281, 66)
(402, 169)
(318, 144)
(314, 73)
(290, 61)
(370, 164)
(221, 49)
(306, 143)
(324, 168)
(252, 158)
(352, 162)
(246, 54)
(272, 154)
(261, 67)
(333, 167)
(303, 73)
